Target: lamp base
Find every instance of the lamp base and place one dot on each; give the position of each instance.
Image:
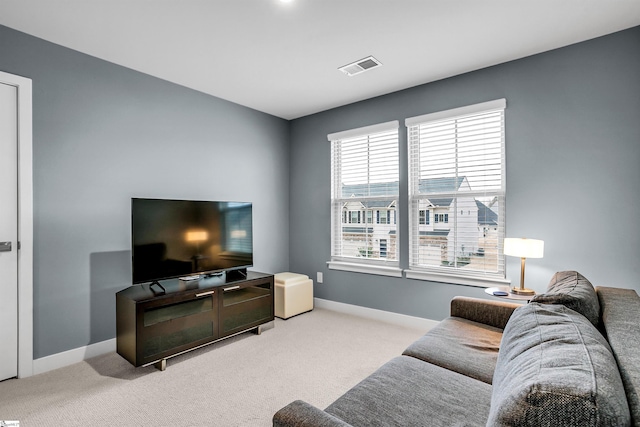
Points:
(523, 291)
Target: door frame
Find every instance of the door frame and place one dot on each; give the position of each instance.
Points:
(25, 221)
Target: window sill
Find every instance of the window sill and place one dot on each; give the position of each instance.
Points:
(365, 268)
(479, 281)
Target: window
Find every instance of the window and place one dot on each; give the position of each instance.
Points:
(456, 165)
(383, 217)
(383, 248)
(239, 235)
(365, 175)
(444, 218)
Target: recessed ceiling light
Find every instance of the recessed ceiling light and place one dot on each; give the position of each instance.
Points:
(360, 66)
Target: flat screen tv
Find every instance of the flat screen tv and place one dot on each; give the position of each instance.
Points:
(176, 238)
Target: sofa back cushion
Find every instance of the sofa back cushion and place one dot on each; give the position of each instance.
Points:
(621, 320)
(555, 369)
(574, 291)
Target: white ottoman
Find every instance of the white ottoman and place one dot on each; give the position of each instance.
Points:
(294, 294)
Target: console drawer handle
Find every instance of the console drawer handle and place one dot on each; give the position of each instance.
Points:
(204, 294)
(232, 288)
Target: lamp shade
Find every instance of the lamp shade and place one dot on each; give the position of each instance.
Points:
(523, 247)
(197, 236)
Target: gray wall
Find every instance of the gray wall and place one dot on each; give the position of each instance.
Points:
(573, 156)
(104, 134)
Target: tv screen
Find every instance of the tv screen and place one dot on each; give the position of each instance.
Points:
(174, 238)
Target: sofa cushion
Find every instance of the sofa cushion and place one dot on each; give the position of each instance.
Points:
(556, 369)
(620, 320)
(409, 392)
(572, 290)
(461, 345)
(492, 313)
(300, 414)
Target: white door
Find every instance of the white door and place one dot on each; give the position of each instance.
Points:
(8, 231)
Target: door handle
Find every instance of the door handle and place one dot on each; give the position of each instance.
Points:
(5, 246)
(204, 294)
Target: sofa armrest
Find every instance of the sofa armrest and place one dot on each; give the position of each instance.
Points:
(302, 414)
(492, 313)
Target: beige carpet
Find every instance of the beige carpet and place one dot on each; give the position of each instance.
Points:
(241, 381)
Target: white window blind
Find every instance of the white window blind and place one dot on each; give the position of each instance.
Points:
(457, 178)
(239, 232)
(364, 194)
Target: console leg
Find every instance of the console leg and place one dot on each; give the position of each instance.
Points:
(161, 364)
(264, 327)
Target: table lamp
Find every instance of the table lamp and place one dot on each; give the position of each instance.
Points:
(196, 236)
(523, 248)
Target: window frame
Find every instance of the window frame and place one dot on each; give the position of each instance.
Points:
(381, 266)
(446, 273)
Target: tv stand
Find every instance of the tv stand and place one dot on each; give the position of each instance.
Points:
(152, 327)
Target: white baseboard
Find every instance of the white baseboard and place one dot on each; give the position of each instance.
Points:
(381, 315)
(76, 355)
(69, 357)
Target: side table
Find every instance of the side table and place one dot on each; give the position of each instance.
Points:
(510, 295)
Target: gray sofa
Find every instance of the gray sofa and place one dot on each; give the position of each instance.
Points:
(570, 357)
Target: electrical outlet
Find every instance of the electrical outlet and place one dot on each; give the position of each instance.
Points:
(319, 278)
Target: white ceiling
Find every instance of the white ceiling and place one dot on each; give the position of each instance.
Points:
(283, 58)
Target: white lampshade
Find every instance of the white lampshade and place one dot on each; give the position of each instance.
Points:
(196, 236)
(523, 247)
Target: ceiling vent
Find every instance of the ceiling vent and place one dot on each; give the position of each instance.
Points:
(360, 66)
